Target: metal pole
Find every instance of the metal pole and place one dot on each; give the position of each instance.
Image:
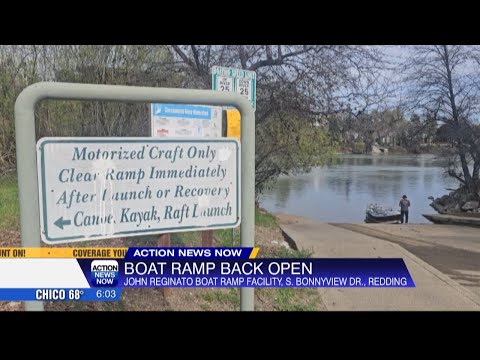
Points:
(26, 152)
(247, 228)
(27, 178)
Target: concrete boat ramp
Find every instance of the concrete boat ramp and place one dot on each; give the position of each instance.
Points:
(434, 290)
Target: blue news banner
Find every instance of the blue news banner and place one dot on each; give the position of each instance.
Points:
(234, 267)
(217, 267)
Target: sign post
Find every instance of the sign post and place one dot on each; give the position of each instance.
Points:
(26, 150)
(174, 120)
(164, 240)
(239, 81)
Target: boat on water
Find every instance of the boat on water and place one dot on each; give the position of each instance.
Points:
(452, 219)
(380, 214)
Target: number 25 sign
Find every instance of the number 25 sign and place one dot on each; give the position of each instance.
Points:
(240, 81)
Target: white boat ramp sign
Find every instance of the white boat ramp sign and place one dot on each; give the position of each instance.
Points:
(99, 188)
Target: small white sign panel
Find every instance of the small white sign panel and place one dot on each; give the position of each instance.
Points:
(244, 87)
(99, 188)
(224, 83)
(240, 81)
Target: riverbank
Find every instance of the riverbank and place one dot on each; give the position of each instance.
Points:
(420, 149)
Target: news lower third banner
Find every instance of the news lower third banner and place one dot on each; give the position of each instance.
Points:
(100, 274)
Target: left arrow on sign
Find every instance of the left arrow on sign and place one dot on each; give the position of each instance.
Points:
(61, 223)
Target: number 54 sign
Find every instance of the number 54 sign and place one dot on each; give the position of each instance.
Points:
(240, 81)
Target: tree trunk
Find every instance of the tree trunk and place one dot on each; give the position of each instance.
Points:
(476, 170)
(469, 183)
(476, 178)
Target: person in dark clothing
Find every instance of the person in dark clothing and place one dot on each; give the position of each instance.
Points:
(404, 205)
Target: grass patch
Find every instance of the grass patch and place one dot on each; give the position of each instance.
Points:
(186, 239)
(144, 240)
(230, 297)
(289, 299)
(263, 218)
(295, 299)
(224, 237)
(284, 253)
(9, 207)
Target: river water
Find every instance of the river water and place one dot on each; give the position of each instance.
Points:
(341, 192)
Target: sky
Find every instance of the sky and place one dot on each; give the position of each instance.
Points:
(394, 52)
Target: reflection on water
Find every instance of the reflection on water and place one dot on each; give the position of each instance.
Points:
(341, 192)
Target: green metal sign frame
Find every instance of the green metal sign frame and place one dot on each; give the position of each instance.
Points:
(25, 138)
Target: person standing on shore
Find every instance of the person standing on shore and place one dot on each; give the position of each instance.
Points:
(404, 205)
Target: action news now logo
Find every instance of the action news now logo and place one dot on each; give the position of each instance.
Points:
(104, 272)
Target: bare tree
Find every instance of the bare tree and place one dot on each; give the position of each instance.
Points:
(141, 65)
(299, 87)
(22, 65)
(443, 80)
(17, 70)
